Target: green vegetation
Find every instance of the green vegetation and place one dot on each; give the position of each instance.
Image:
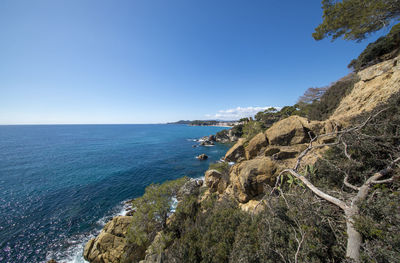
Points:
(218, 231)
(236, 131)
(355, 19)
(321, 108)
(222, 167)
(206, 233)
(251, 129)
(384, 48)
(152, 210)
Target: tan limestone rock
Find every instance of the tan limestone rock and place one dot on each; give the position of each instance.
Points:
(377, 84)
(236, 153)
(216, 181)
(255, 145)
(110, 244)
(248, 177)
(289, 131)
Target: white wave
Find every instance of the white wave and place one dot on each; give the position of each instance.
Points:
(174, 204)
(201, 178)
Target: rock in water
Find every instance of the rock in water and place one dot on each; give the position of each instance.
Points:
(202, 157)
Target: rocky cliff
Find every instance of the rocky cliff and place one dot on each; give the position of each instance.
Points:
(376, 85)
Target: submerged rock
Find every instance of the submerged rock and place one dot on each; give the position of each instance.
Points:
(207, 143)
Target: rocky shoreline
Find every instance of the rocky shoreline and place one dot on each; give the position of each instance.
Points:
(111, 246)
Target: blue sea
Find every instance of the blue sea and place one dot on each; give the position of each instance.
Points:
(59, 184)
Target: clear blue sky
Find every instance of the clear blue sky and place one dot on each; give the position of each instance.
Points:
(149, 61)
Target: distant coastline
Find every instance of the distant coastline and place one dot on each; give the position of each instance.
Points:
(215, 123)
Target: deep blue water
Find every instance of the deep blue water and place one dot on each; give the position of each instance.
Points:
(60, 183)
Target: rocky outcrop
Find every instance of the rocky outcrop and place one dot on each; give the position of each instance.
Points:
(206, 143)
(376, 85)
(292, 130)
(237, 153)
(110, 244)
(216, 181)
(227, 136)
(249, 177)
(258, 163)
(255, 145)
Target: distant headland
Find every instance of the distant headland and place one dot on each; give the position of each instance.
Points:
(207, 123)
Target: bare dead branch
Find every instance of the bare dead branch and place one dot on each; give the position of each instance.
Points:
(346, 183)
(345, 151)
(299, 242)
(315, 190)
(383, 181)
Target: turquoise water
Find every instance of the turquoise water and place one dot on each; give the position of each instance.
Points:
(59, 184)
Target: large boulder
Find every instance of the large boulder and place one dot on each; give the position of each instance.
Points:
(289, 131)
(249, 177)
(110, 244)
(237, 153)
(255, 145)
(216, 181)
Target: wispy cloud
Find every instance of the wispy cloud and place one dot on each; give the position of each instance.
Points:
(237, 113)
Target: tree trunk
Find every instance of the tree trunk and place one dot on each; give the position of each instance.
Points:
(354, 238)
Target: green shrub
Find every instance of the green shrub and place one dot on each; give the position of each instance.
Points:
(152, 211)
(222, 167)
(375, 52)
(236, 131)
(251, 129)
(207, 233)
